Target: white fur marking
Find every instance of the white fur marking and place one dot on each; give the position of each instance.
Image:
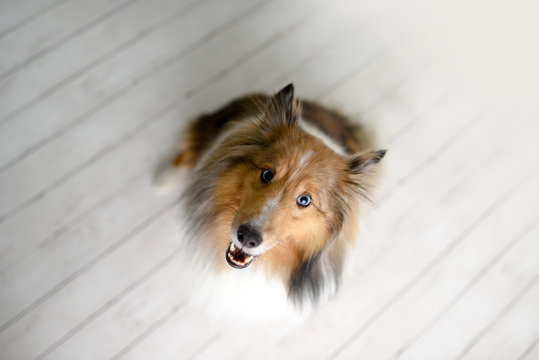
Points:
(305, 157)
(266, 211)
(320, 135)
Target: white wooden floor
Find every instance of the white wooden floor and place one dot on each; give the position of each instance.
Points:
(94, 94)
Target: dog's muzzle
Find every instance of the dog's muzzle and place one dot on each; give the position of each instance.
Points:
(249, 237)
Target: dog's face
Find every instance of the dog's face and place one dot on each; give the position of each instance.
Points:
(283, 198)
(289, 193)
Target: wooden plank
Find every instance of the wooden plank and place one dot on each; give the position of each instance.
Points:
(15, 14)
(71, 149)
(452, 183)
(514, 331)
(129, 262)
(68, 254)
(532, 352)
(413, 314)
(124, 320)
(52, 30)
(68, 91)
(412, 93)
(53, 219)
(180, 336)
(482, 304)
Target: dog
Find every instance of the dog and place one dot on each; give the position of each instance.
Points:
(273, 198)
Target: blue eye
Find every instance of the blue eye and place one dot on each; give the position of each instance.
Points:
(266, 176)
(303, 200)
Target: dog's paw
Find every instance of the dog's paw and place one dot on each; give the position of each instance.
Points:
(168, 178)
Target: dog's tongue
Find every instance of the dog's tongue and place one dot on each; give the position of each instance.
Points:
(237, 258)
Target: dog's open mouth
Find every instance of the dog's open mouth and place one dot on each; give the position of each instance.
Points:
(237, 258)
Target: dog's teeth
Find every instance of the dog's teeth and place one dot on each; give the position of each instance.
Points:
(238, 257)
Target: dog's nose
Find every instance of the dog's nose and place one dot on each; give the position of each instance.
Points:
(248, 236)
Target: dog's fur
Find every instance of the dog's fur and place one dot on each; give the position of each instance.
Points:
(310, 151)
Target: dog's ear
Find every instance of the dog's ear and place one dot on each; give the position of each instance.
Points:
(361, 169)
(365, 163)
(284, 108)
(286, 99)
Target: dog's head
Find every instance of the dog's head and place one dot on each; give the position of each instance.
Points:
(280, 188)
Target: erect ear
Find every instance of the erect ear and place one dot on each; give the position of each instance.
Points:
(284, 107)
(365, 162)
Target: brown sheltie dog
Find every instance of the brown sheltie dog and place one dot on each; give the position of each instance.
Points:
(274, 193)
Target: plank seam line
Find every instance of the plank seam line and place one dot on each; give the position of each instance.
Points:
(138, 37)
(342, 80)
(105, 150)
(470, 285)
(150, 330)
(418, 169)
(437, 258)
(529, 349)
(498, 317)
(40, 12)
(487, 159)
(33, 58)
(246, 57)
(89, 264)
(60, 231)
(102, 309)
(204, 346)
